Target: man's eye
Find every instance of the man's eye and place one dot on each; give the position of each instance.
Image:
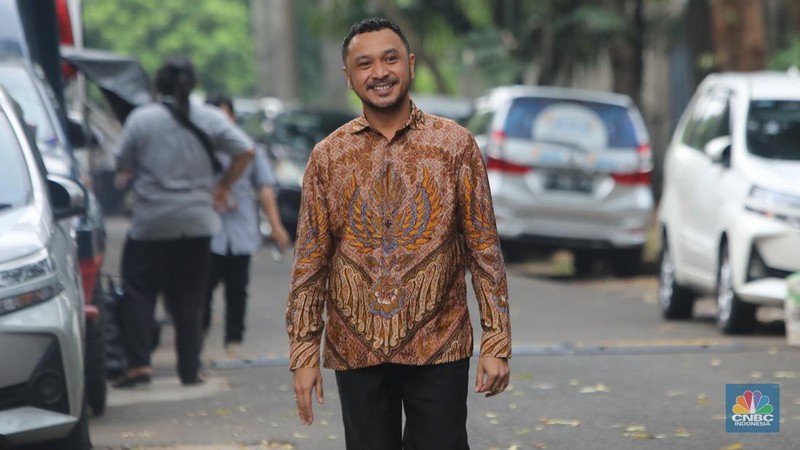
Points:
(391, 59)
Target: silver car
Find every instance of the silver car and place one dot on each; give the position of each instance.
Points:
(41, 298)
(568, 169)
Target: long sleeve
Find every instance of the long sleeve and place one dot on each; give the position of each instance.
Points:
(485, 260)
(309, 284)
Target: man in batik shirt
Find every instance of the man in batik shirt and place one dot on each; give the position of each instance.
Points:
(396, 206)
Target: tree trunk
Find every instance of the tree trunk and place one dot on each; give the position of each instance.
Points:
(627, 50)
(738, 34)
(276, 49)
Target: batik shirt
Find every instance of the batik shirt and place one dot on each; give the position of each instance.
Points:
(387, 231)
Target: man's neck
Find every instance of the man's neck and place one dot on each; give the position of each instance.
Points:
(388, 121)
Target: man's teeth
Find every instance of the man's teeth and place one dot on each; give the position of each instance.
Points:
(383, 87)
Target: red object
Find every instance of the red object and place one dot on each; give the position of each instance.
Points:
(65, 35)
(502, 165)
(90, 270)
(638, 178)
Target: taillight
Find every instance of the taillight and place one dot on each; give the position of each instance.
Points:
(632, 179)
(494, 156)
(502, 165)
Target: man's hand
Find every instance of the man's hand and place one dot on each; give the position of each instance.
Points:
(493, 375)
(306, 380)
(221, 193)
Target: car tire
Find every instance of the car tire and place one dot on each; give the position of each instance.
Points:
(734, 316)
(583, 262)
(627, 262)
(676, 301)
(95, 355)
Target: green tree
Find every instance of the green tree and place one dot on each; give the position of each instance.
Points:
(215, 34)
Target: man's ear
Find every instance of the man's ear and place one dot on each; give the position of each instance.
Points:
(411, 59)
(349, 84)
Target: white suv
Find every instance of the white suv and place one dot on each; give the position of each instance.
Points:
(730, 210)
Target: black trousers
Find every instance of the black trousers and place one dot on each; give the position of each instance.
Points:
(234, 273)
(178, 269)
(434, 399)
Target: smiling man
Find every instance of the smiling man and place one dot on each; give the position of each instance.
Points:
(396, 206)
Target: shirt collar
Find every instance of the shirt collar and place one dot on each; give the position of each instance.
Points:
(416, 121)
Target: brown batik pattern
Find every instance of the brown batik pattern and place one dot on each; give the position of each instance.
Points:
(387, 230)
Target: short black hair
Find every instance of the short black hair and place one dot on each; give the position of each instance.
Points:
(220, 101)
(368, 26)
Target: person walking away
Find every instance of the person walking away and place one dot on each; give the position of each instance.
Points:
(395, 207)
(167, 155)
(240, 237)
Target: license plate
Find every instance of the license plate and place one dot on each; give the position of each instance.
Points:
(572, 182)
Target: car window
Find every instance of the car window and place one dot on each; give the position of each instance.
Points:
(19, 84)
(773, 129)
(15, 185)
(619, 128)
(299, 131)
(710, 119)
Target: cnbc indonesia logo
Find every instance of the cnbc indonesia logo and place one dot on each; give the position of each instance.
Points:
(753, 410)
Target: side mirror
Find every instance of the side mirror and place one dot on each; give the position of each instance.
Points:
(67, 196)
(76, 134)
(719, 150)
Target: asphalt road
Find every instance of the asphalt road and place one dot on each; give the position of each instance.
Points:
(594, 367)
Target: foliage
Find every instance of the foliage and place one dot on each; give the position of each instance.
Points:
(787, 57)
(215, 34)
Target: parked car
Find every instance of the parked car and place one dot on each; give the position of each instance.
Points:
(25, 82)
(288, 137)
(41, 300)
(568, 169)
(730, 210)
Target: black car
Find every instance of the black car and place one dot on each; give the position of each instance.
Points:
(289, 137)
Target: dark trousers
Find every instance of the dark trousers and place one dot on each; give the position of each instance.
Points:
(178, 268)
(234, 273)
(434, 399)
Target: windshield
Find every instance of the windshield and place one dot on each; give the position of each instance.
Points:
(15, 186)
(773, 129)
(19, 84)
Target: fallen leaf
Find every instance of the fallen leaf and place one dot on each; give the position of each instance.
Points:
(223, 412)
(298, 435)
(491, 415)
(736, 446)
(521, 376)
(675, 393)
(701, 399)
(568, 422)
(785, 374)
(639, 435)
(682, 433)
(715, 362)
(756, 375)
(772, 351)
(512, 406)
(522, 431)
(573, 382)
(331, 437)
(540, 445)
(594, 389)
(635, 428)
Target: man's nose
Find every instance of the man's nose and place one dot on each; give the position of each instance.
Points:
(379, 70)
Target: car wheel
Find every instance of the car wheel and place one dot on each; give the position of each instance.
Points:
(733, 315)
(583, 262)
(627, 262)
(676, 301)
(95, 356)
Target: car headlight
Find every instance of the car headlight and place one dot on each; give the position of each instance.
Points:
(27, 282)
(289, 173)
(774, 204)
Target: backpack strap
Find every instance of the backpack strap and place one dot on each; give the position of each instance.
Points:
(201, 135)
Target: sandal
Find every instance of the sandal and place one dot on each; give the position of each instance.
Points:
(128, 381)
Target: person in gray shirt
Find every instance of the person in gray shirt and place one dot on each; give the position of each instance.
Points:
(239, 238)
(171, 170)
